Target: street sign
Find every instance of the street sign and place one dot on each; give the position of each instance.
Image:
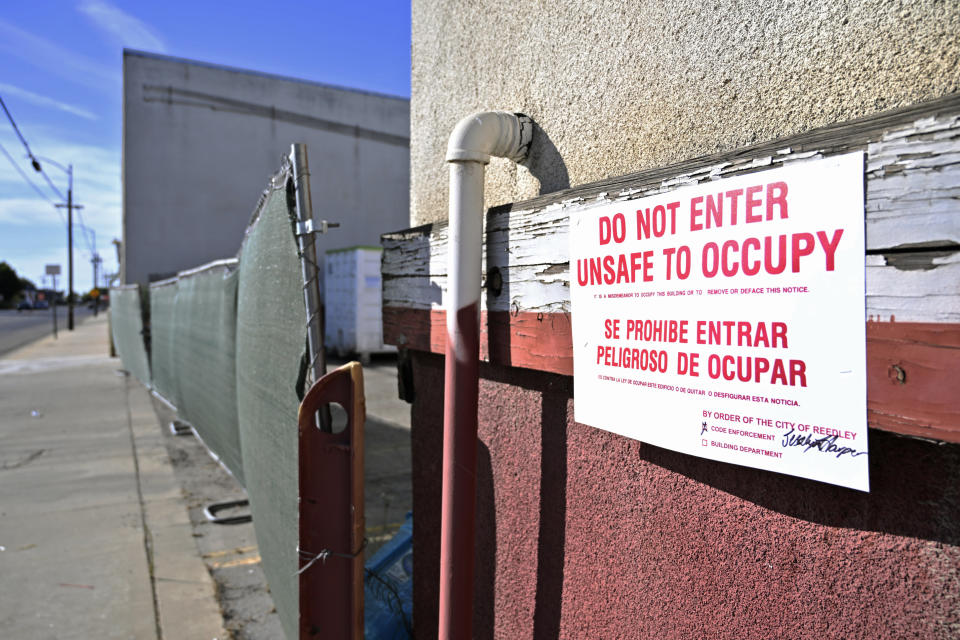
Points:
(53, 270)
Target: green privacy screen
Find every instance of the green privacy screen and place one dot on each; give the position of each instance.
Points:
(228, 340)
(205, 316)
(126, 326)
(270, 341)
(163, 364)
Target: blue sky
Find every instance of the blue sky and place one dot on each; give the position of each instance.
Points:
(60, 77)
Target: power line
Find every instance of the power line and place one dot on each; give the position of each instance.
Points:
(19, 135)
(86, 232)
(28, 181)
(24, 175)
(33, 159)
(52, 186)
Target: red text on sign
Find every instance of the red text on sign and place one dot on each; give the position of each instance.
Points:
(728, 206)
(770, 255)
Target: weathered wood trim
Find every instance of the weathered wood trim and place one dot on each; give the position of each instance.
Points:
(904, 287)
(912, 217)
(912, 205)
(914, 287)
(912, 368)
(902, 144)
(913, 378)
(528, 340)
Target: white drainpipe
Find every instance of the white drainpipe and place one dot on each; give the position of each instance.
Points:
(473, 141)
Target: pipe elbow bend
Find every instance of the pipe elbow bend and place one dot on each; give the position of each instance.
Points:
(490, 133)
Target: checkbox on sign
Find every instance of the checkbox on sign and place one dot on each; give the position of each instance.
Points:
(703, 443)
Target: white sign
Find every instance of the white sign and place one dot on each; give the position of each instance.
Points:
(726, 320)
(53, 270)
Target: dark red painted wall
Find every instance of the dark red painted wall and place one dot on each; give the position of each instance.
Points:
(585, 534)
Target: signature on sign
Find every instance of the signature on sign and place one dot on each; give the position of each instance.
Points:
(826, 444)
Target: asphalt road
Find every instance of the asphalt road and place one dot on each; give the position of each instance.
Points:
(18, 328)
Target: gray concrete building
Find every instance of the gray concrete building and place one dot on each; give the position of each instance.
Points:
(200, 142)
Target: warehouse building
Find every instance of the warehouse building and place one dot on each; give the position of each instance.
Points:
(200, 140)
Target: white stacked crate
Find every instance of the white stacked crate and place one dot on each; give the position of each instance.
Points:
(352, 296)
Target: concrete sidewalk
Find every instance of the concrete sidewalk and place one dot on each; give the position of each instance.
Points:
(95, 541)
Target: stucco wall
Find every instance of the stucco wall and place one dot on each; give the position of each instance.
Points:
(584, 534)
(200, 143)
(622, 85)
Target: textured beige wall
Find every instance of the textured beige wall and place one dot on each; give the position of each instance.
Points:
(623, 85)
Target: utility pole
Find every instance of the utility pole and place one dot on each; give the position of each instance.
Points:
(52, 270)
(96, 260)
(70, 251)
(70, 207)
(53, 305)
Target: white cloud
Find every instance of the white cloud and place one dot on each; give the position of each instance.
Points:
(55, 59)
(96, 185)
(27, 211)
(122, 27)
(96, 172)
(44, 101)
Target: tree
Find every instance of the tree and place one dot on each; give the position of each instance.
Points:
(10, 284)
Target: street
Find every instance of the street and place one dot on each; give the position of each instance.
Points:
(18, 328)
